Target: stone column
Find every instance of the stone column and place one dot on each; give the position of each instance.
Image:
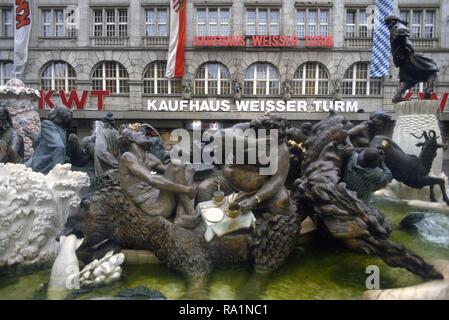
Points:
(288, 18)
(338, 23)
(389, 89)
(85, 26)
(136, 103)
(191, 23)
(238, 21)
(443, 24)
(134, 23)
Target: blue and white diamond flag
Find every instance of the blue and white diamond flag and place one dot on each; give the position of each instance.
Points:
(380, 59)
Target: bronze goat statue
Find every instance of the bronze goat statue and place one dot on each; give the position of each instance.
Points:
(409, 169)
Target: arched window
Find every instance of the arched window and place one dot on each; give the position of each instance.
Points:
(212, 79)
(58, 75)
(261, 79)
(311, 78)
(6, 71)
(112, 76)
(356, 81)
(155, 82)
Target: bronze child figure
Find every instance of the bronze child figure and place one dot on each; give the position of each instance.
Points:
(413, 68)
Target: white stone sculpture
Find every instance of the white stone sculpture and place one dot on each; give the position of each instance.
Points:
(66, 277)
(33, 210)
(65, 270)
(16, 87)
(103, 271)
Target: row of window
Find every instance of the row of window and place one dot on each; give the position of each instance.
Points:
(113, 22)
(56, 23)
(421, 22)
(212, 78)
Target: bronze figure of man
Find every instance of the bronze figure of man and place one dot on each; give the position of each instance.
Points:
(156, 189)
(362, 134)
(413, 68)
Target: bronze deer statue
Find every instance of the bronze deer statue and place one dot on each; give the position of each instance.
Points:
(409, 169)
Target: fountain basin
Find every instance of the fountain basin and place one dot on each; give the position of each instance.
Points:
(315, 270)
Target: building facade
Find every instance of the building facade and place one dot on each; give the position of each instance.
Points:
(121, 46)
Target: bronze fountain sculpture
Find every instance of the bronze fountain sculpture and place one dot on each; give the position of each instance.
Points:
(413, 67)
(11, 142)
(338, 212)
(146, 204)
(50, 144)
(366, 172)
(363, 133)
(137, 208)
(104, 151)
(411, 170)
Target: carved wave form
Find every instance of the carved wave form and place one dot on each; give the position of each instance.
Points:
(33, 210)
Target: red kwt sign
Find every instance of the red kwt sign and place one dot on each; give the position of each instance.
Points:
(73, 98)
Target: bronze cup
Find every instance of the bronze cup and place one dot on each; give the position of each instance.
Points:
(218, 197)
(233, 210)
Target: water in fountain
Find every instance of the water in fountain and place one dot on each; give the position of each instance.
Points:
(414, 117)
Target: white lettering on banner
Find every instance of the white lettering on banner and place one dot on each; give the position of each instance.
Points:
(252, 106)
